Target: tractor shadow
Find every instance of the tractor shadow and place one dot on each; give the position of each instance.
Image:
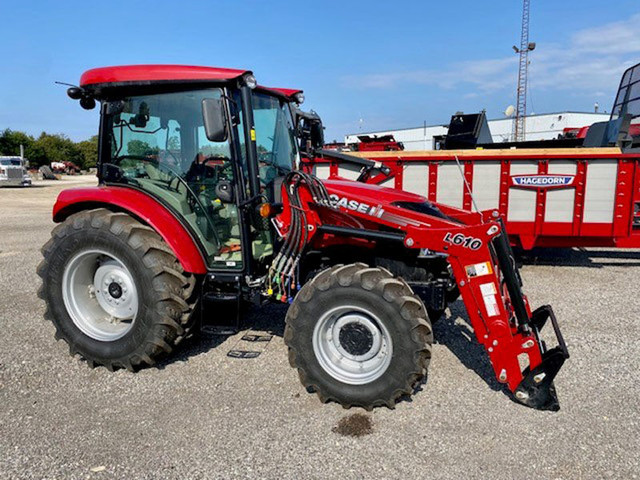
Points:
(268, 319)
(192, 346)
(454, 332)
(578, 257)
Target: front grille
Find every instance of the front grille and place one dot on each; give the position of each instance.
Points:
(13, 173)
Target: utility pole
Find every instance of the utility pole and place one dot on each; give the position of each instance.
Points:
(523, 52)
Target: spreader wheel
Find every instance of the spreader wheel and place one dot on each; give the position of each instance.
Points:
(114, 290)
(358, 336)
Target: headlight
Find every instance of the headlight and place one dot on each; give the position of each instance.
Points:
(299, 98)
(249, 80)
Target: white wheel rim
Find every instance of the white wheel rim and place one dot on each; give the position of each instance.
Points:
(352, 345)
(100, 295)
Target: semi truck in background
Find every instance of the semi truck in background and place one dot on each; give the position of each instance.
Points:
(13, 172)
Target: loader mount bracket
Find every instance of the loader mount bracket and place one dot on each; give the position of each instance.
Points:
(537, 389)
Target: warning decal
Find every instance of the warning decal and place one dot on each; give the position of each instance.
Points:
(479, 269)
(489, 291)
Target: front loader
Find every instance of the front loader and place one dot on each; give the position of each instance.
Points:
(200, 203)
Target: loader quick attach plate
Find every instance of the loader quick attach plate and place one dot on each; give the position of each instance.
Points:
(537, 390)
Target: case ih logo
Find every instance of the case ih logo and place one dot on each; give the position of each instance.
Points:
(543, 181)
(354, 205)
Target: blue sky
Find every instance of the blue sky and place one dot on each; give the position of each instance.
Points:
(389, 64)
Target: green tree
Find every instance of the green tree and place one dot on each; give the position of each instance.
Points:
(49, 148)
(10, 142)
(36, 155)
(89, 150)
(59, 148)
(139, 148)
(173, 143)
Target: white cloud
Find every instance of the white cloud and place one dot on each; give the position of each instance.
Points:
(485, 74)
(613, 38)
(592, 60)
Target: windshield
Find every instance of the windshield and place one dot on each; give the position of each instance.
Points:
(5, 162)
(275, 138)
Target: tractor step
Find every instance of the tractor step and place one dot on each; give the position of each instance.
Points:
(221, 299)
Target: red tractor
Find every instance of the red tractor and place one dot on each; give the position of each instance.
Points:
(200, 203)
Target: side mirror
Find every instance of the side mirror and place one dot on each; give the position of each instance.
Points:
(215, 119)
(317, 134)
(309, 130)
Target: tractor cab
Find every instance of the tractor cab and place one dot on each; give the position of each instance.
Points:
(209, 144)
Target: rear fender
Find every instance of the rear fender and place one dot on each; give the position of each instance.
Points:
(146, 208)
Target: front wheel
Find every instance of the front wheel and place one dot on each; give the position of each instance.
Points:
(358, 336)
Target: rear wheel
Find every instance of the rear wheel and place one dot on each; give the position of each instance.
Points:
(114, 290)
(358, 336)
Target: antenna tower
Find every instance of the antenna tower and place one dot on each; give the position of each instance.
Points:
(523, 52)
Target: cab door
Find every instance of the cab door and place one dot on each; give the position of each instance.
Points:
(159, 145)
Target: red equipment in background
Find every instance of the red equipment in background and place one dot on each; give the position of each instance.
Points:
(65, 167)
(383, 143)
(368, 143)
(549, 198)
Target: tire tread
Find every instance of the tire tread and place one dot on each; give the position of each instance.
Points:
(173, 286)
(394, 291)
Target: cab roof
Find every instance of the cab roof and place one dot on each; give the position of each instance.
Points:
(98, 79)
(147, 74)
(284, 92)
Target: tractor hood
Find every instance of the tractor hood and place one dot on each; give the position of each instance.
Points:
(371, 194)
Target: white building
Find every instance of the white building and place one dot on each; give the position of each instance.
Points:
(545, 126)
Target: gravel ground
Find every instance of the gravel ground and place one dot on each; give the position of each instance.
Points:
(202, 414)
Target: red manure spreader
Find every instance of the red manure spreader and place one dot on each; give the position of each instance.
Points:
(201, 203)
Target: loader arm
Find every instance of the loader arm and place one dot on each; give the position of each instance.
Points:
(482, 264)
